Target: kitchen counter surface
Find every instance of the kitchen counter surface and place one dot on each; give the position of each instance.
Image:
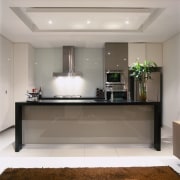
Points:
(85, 101)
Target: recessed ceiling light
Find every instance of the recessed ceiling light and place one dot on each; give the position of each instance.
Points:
(126, 22)
(50, 22)
(88, 22)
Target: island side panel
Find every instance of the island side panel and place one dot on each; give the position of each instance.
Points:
(127, 124)
(157, 126)
(18, 127)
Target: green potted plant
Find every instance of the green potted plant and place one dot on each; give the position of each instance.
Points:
(142, 72)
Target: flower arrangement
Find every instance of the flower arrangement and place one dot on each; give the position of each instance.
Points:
(142, 72)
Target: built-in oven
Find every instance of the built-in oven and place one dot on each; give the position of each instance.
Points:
(115, 91)
(117, 95)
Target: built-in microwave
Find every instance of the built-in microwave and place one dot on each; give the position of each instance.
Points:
(114, 77)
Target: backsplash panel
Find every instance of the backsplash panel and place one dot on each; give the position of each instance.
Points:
(89, 61)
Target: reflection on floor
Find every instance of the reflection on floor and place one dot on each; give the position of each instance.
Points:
(86, 155)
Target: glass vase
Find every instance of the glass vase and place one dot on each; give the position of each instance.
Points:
(142, 91)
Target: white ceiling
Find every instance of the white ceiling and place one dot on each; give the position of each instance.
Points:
(86, 19)
(149, 21)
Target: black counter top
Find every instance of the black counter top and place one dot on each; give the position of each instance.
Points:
(85, 102)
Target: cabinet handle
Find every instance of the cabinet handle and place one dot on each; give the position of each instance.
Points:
(5, 91)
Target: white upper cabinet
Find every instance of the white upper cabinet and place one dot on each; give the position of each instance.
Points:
(154, 53)
(136, 51)
(145, 51)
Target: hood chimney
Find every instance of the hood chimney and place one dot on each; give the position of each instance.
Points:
(68, 63)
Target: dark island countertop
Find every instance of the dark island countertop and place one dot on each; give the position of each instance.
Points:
(85, 102)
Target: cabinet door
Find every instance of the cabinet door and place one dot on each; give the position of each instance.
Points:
(116, 56)
(154, 53)
(136, 51)
(153, 87)
(1, 91)
(6, 84)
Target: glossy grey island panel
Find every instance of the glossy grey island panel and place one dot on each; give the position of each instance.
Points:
(87, 121)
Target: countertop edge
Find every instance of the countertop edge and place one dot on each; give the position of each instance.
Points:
(85, 102)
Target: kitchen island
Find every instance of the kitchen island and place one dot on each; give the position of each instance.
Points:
(87, 121)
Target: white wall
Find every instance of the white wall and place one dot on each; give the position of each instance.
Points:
(31, 66)
(0, 16)
(171, 82)
(89, 61)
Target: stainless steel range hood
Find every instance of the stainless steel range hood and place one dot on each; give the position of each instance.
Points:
(68, 63)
